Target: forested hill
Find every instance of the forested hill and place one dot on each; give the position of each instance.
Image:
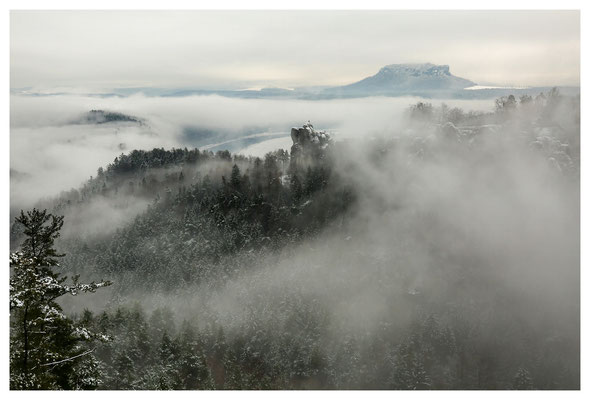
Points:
(443, 255)
(193, 212)
(167, 218)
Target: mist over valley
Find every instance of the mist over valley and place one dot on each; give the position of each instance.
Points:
(226, 220)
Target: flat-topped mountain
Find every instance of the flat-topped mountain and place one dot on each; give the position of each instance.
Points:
(406, 78)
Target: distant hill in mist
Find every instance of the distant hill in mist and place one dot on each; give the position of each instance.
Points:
(104, 117)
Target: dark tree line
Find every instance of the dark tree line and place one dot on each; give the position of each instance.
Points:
(204, 218)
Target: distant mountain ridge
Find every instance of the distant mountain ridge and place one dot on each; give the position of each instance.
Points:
(422, 80)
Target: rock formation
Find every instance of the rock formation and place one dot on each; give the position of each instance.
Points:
(308, 147)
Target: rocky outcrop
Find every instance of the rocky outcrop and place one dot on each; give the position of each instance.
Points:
(308, 146)
(450, 132)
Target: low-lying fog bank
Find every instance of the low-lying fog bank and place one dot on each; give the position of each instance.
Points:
(53, 146)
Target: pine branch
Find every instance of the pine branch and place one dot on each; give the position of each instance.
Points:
(68, 359)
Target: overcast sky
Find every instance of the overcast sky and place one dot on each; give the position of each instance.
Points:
(240, 49)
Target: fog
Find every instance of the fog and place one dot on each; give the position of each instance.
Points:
(51, 151)
(474, 225)
(493, 228)
(487, 232)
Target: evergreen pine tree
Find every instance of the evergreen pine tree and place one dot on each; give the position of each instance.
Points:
(47, 349)
(236, 179)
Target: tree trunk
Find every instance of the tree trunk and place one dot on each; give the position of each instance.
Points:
(26, 342)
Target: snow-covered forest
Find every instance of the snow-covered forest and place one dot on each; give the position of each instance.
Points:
(442, 253)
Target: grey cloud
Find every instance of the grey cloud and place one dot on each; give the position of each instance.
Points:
(238, 48)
